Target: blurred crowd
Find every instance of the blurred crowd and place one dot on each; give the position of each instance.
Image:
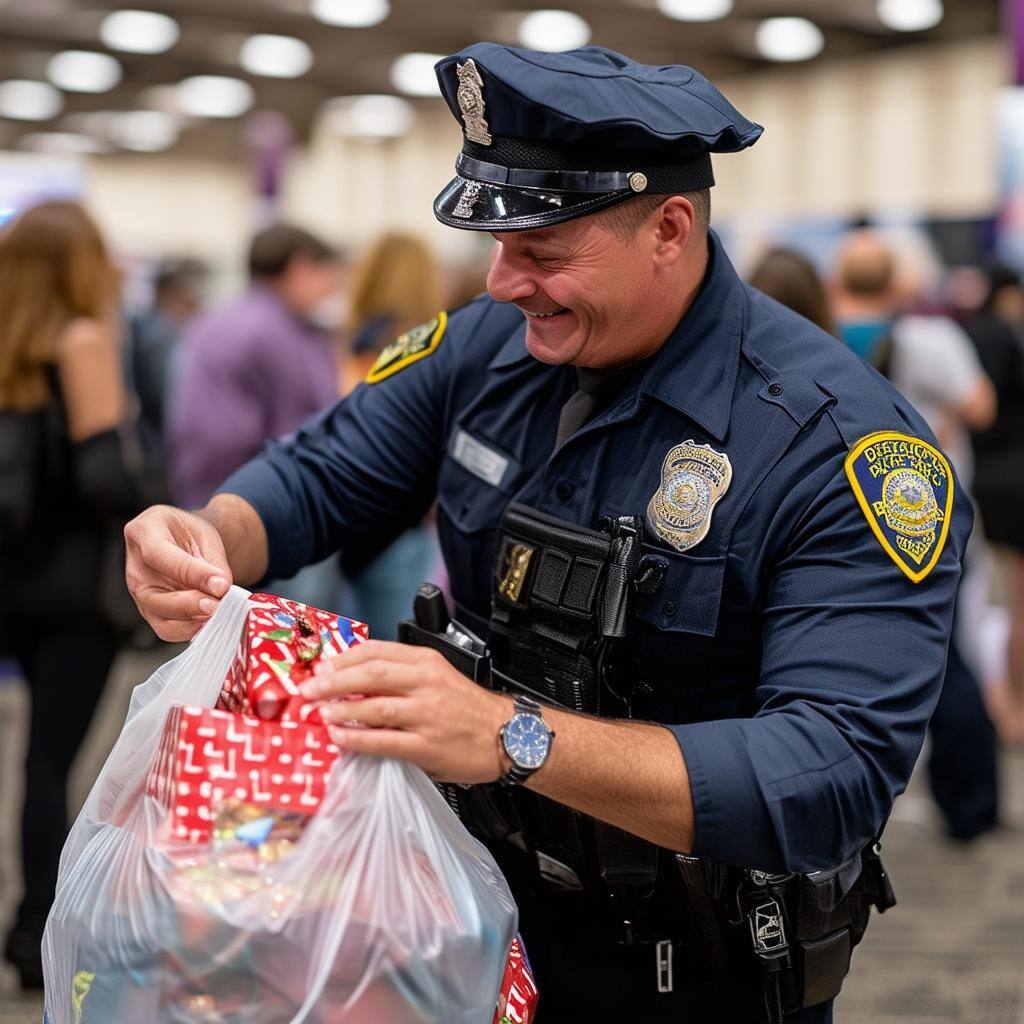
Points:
(105, 409)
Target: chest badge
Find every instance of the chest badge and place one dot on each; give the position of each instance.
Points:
(904, 487)
(694, 477)
(470, 97)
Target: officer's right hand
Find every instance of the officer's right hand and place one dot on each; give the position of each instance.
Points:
(176, 570)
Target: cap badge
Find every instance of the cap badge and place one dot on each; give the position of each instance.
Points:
(694, 477)
(638, 181)
(471, 102)
(470, 194)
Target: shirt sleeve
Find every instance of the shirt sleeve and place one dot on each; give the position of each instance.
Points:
(363, 470)
(853, 660)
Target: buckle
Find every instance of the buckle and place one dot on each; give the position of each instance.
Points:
(663, 952)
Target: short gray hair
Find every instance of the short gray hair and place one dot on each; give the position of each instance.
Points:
(625, 219)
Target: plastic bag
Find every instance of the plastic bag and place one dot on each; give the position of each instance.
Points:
(384, 910)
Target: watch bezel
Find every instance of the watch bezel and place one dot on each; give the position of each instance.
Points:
(524, 708)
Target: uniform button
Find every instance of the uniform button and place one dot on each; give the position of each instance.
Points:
(669, 608)
(564, 490)
(775, 390)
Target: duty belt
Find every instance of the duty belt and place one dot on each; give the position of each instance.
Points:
(561, 608)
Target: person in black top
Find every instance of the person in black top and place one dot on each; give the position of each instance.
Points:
(68, 478)
(997, 331)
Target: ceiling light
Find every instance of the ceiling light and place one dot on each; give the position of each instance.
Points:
(787, 39)
(695, 10)
(146, 131)
(23, 100)
(214, 96)
(909, 15)
(61, 142)
(139, 31)
(276, 56)
(374, 116)
(350, 13)
(553, 30)
(413, 74)
(83, 71)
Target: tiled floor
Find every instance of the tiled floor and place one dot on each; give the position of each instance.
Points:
(952, 951)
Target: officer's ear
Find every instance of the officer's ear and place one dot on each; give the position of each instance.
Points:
(675, 227)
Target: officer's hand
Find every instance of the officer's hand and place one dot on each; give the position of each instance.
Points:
(176, 570)
(418, 708)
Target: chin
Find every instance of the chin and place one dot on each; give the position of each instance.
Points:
(551, 350)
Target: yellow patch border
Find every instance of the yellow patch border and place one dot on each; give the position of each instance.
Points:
(375, 376)
(893, 435)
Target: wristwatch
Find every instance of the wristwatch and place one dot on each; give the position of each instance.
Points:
(526, 738)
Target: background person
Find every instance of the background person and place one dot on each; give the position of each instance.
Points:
(931, 361)
(255, 368)
(789, 277)
(153, 336)
(68, 479)
(395, 287)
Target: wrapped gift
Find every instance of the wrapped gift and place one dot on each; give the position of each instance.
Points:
(517, 999)
(208, 758)
(280, 646)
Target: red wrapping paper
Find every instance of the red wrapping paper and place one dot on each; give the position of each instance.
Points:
(517, 998)
(280, 645)
(208, 756)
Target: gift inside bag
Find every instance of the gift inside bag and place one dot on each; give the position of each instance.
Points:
(231, 866)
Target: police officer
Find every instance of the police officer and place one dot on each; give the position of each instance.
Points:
(630, 451)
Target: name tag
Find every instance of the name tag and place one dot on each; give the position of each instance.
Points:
(478, 458)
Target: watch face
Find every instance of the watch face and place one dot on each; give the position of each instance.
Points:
(527, 740)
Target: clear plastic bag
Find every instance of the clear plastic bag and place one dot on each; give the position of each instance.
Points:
(384, 910)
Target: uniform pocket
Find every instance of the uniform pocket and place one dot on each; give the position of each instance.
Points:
(690, 594)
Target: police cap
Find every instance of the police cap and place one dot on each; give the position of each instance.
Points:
(552, 136)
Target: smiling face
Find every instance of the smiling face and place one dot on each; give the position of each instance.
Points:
(591, 296)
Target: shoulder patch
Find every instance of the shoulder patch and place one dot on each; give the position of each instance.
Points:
(416, 344)
(904, 487)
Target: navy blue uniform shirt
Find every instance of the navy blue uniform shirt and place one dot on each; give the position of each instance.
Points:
(794, 660)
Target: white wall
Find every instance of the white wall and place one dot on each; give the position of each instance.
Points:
(909, 130)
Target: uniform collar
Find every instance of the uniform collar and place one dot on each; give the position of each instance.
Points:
(695, 370)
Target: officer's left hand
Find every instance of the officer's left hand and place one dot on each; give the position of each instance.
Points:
(418, 708)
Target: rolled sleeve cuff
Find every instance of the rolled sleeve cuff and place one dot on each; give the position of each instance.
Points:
(732, 824)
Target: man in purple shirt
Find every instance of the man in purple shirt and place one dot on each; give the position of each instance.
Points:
(256, 368)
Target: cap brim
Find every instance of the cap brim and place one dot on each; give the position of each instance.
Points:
(481, 206)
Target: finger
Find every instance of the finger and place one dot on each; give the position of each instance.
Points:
(377, 712)
(178, 566)
(407, 746)
(174, 631)
(177, 605)
(370, 677)
(368, 650)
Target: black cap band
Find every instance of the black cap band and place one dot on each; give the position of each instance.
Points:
(519, 163)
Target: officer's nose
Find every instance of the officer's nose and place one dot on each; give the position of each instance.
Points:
(507, 279)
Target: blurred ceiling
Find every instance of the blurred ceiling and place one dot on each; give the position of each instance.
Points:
(348, 61)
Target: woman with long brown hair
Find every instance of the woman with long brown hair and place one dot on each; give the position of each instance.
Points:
(65, 479)
(396, 288)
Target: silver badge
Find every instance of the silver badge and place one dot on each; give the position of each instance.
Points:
(470, 194)
(471, 102)
(693, 479)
